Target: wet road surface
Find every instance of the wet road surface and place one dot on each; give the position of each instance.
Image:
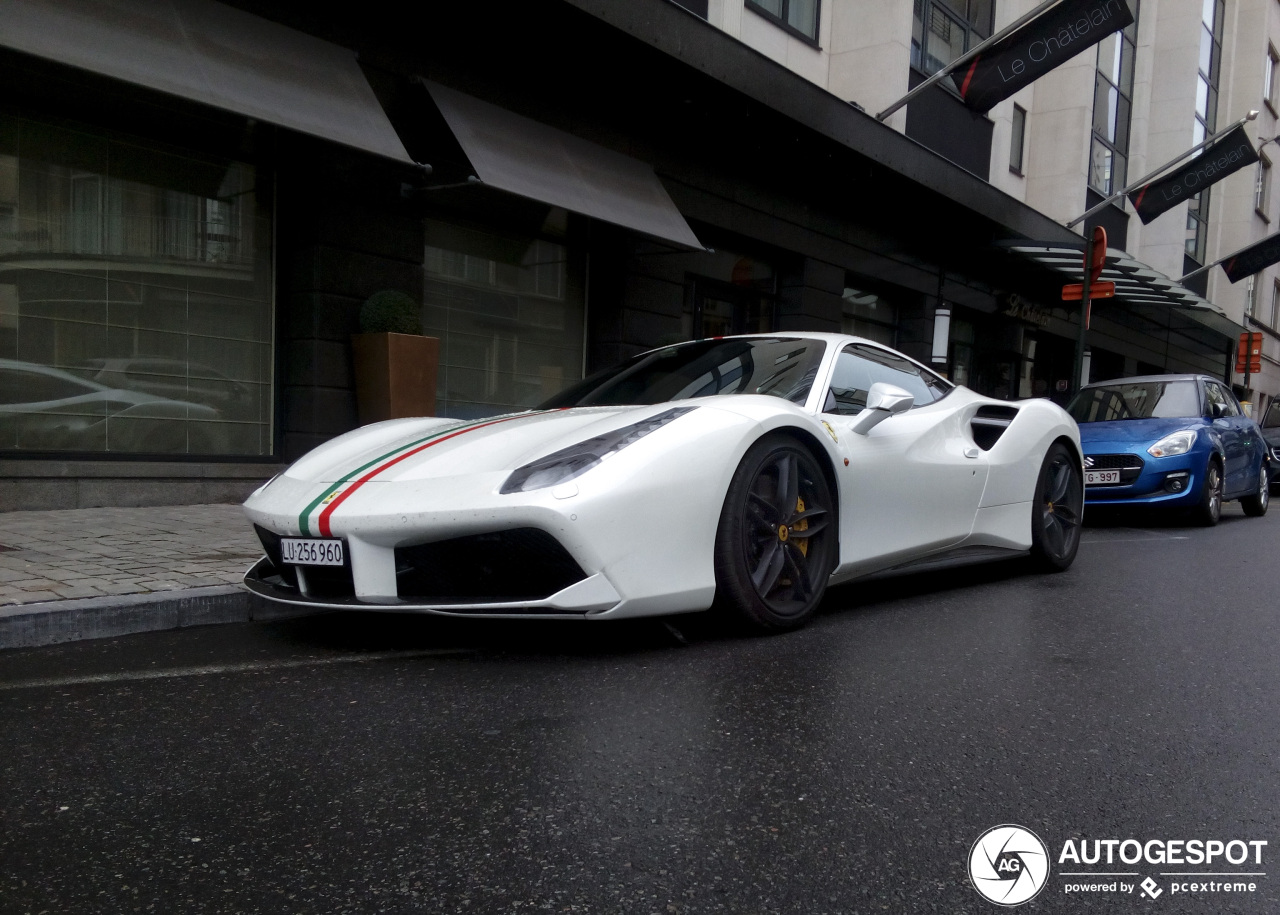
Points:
(360, 763)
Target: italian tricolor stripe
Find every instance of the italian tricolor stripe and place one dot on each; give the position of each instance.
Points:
(334, 495)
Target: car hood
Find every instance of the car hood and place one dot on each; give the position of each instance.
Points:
(1135, 431)
(408, 449)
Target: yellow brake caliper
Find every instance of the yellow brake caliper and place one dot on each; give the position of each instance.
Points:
(803, 542)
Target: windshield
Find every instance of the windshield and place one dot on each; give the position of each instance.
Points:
(1135, 400)
(778, 366)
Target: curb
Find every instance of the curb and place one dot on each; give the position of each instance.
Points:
(54, 622)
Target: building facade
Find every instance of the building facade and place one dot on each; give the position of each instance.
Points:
(196, 201)
(1099, 121)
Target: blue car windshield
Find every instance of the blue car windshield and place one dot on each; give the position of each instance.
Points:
(779, 366)
(1135, 400)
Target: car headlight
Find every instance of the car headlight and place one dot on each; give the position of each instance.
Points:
(576, 460)
(1177, 443)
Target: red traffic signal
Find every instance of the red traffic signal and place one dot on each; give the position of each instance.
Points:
(1249, 353)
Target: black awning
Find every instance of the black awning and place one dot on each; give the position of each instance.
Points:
(531, 159)
(1136, 283)
(214, 54)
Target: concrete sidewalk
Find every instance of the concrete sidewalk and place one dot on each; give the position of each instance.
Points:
(98, 572)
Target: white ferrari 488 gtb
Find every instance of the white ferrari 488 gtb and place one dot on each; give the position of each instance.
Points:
(745, 472)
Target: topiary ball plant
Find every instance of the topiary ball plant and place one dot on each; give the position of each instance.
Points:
(390, 311)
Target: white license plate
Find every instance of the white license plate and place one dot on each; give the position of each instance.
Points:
(1096, 477)
(300, 552)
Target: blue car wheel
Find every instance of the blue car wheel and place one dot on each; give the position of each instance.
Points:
(1255, 505)
(1210, 508)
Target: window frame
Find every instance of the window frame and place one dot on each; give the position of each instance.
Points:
(1118, 147)
(1271, 77)
(1198, 207)
(782, 23)
(974, 32)
(1262, 188)
(1017, 139)
(931, 379)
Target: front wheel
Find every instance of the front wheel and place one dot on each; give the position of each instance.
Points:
(775, 545)
(1255, 505)
(1057, 510)
(1209, 510)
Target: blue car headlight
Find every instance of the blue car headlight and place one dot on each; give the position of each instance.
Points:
(1177, 443)
(576, 460)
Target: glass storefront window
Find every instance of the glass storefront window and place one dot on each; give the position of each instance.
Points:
(509, 323)
(135, 297)
(867, 314)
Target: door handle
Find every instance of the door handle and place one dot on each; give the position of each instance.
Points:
(972, 452)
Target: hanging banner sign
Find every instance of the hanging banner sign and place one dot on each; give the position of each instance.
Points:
(1248, 261)
(1229, 153)
(1019, 59)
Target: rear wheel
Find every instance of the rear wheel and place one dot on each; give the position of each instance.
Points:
(1209, 510)
(1058, 509)
(775, 546)
(1255, 505)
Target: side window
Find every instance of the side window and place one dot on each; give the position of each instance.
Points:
(1230, 407)
(858, 367)
(1215, 403)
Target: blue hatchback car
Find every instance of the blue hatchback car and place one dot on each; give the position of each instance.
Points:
(1180, 441)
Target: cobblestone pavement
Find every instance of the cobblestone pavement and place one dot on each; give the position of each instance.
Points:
(90, 552)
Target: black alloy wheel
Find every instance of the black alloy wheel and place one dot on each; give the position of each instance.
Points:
(1057, 510)
(775, 546)
(1209, 510)
(1255, 505)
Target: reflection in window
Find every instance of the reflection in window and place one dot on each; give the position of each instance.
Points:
(135, 297)
(1017, 139)
(799, 16)
(942, 30)
(782, 367)
(867, 314)
(1112, 97)
(859, 367)
(1206, 118)
(1262, 188)
(510, 328)
(1269, 77)
(1135, 400)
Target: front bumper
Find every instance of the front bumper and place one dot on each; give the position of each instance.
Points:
(590, 596)
(627, 539)
(1170, 481)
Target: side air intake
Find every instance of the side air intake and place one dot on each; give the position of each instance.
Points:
(989, 423)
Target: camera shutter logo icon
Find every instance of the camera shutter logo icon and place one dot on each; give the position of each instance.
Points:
(1009, 865)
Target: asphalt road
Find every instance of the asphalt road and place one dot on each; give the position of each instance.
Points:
(382, 764)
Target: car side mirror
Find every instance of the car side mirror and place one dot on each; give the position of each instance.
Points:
(1215, 410)
(883, 400)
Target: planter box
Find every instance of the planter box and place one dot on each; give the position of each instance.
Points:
(395, 375)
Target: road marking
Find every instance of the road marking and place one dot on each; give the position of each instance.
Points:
(243, 667)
